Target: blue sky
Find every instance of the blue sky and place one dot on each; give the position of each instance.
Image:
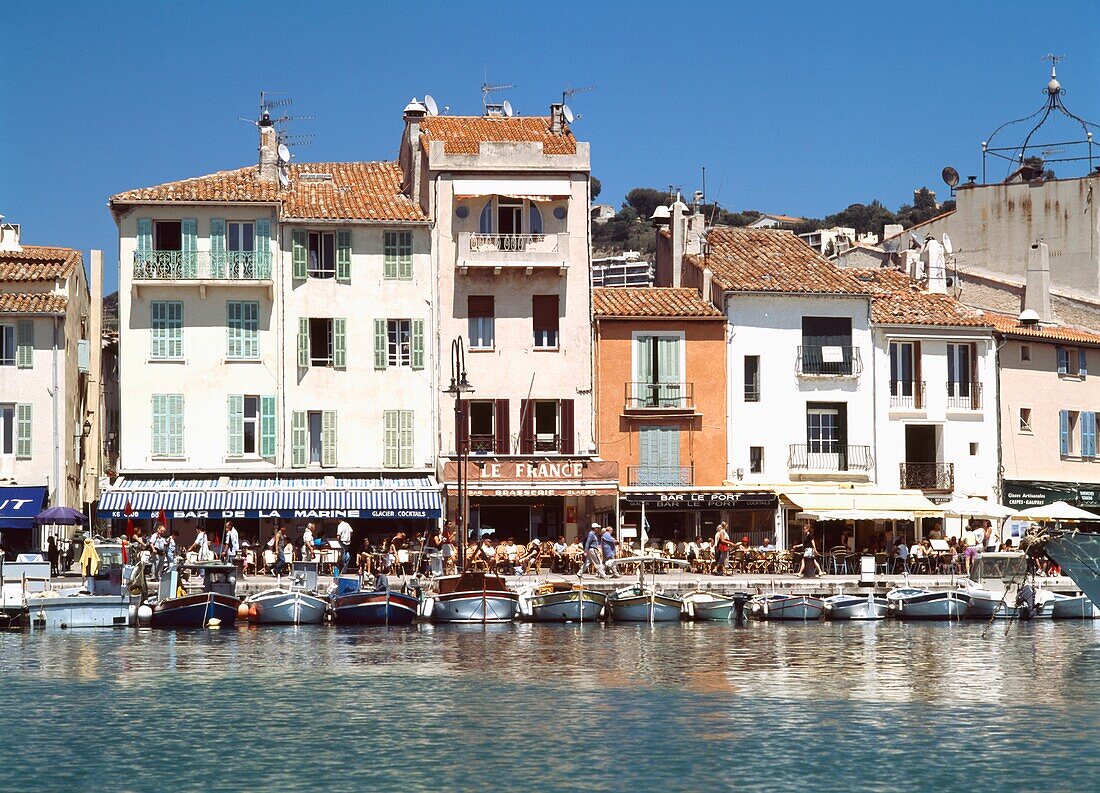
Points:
(795, 107)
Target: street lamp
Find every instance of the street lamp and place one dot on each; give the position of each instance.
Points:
(459, 386)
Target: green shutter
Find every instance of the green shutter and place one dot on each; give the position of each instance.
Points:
(267, 427)
(391, 423)
(144, 236)
(159, 429)
(23, 431)
(339, 343)
(299, 244)
(174, 322)
(189, 230)
(380, 344)
(263, 249)
(24, 344)
(157, 328)
(343, 255)
(418, 344)
(236, 425)
(668, 370)
(405, 440)
(217, 248)
(233, 328)
(303, 342)
(250, 318)
(328, 439)
(405, 259)
(389, 255)
(175, 425)
(298, 439)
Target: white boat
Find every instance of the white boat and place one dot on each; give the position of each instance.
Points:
(642, 602)
(1073, 607)
(298, 604)
(18, 581)
(856, 607)
(704, 605)
(997, 589)
(781, 606)
(102, 602)
(914, 603)
(474, 597)
(562, 601)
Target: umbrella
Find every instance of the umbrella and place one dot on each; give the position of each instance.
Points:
(976, 508)
(1059, 510)
(59, 516)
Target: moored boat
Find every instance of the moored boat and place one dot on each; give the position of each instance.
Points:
(298, 604)
(1073, 607)
(703, 605)
(474, 597)
(642, 602)
(914, 603)
(380, 607)
(781, 606)
(1077, 554)
(562, 601)
(856, 607)
(997, 589)
(215, 605)
(102, 601)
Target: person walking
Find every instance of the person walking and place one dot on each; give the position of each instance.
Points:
(279, 543)
(610, 547)
(592, 557)
(343, 534)
(158, 550)
(53, 555)
(201, 545)
(172, 549)
(807, 565)
(307, 543)
(721, 548)
(231, 543)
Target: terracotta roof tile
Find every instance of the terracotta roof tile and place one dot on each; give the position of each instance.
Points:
(769, 260)
(33, 303)
(651, 302)
(465, 134)
(1010, 326)
(38, 263)
(896, 300)
(356, 191)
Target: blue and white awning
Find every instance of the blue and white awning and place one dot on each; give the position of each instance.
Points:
(313, 497)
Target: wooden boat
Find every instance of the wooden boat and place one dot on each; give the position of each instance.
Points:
(102, 602)
(297, 604)
(1073, 607)
(380, 607)
(856, 607)
(474, 597)
(914, 603)
(215, 605)
(703, 605)
(562, 601)
(642, 602)
(781, 606)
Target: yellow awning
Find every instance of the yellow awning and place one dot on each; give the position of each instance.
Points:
(856, 505)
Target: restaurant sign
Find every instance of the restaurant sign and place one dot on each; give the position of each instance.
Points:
(275, 514)
(703, 499)
(1021, 495)
(531, 473)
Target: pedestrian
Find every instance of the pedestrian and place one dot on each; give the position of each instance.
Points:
(231, 543)
(53, 555)
(343, 534)
(902, 551)
(173, 549)
(158, 550)
(592, 557)
(278, 542)
(807, 565)
(610, 547)
(721, 548)
(307, 542)
(201, 545)
(448, 548)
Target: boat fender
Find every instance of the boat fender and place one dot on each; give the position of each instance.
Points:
(214, 623)
(246, 611)
(144, 614)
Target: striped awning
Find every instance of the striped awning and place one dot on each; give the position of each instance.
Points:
(366, 497)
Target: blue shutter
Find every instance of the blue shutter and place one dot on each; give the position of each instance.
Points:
(263, 249)
(299, 242)
(23, 426)
(328, 439)
(303, 343)
(1063, 428)
(298, 436)
(1088, 434)
(418, 344)
(339, 343)
(144, 237)
(389, 255)
(217, 248)
(405, 439)
(267, 427)
(234, 330)
(236, 425)
(391, 438)
(24, 344)
(1082, 362)
(380, 344)
(189, 247)
(1063, 360)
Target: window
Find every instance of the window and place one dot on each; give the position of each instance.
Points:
(973, 449)
(827, 346)
(482, 427)
(167, 425)
(7, 429)
(659, 457)
(321, 250)
(480, 310)
(658, 381)
(752, 378)
(756, 459)
(315, 440)
(320, 342)
(7, 345)
(902, 368)
(397, 255)
(544, 320)
(243, 329)
(251, 424)
(1068, 421)
(1025, 352)
(546, 426)
(822, 430)
(312, 436)
(399, 342)
(509, 215)
(398, 447)
(167, 235)
(1025, 421)
(960, 374)
(167, 327)
(1072, 361)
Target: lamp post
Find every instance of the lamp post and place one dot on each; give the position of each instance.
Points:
(459, 386)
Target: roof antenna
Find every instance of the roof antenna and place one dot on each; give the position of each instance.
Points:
(493, 108)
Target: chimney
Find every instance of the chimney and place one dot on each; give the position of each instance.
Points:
(935, 266)
(1037, 285)
(414, 114)
(557, 118)
(678, 227)
(269, 150)
(9, 237)
(708, 279)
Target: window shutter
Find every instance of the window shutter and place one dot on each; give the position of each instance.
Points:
(250, 318)
(380, 344)
(328, 439)
(565, 421)
(418, 344)
(1082, 362)
(389, 255)
(298, 439)
(1063, 431)
(404, 259)
(160, 419)
(158, 315)
(485, 223)
(405, 439)
(267, 427)
(23, 426)
(303, 343)
(1088, 434)
(233, 328)
(1063, 360)
(174, 318)
(299, 245)
(527, 427)
(391, 425)
(263, 249)
(918, 384)
(462, 425)
(217, 248)
(144, 236)
(340, 343)
(189, 230)
(343, 256)
(175, 425)
(536, 220)
(500, 424)
(975, 390)
(236, 425)
(24, 344)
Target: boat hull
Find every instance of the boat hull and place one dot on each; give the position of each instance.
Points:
(1078, 556)
(852, 607)
(578, 605)
(376, 608)
(787, 608)
(478, 606)
(646, 608)
(924, 605)
(79, 611)
(1075, 607)
(195, 611)
(286, 608)
(985, 604)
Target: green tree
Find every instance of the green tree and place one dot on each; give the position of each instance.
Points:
(594, 187)
(645, 199)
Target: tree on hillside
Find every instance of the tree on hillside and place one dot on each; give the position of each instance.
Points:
(863, 218)
(645, 199)
(594, 187)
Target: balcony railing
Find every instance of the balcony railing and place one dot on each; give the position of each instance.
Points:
(660, 475)
(513, 243)
(829, 361)
(906, 395)
(928, 476)
(512, 250)
(829, 457)
(201, 266)
(964, 396)
(547, 443)
(480, 444)
(660, 396)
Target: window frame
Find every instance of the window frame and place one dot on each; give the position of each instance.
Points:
(254, 421)
(320, 444)
(822, 445)
(756, 459)
(395, 356)
(8, 429)
(397, 255)
(1023, 426)
(7, 343)
(248, 338)
(167, 336)
(546, 338)
(752, 391)
(330, 361)
(320, 272)
(164, 224)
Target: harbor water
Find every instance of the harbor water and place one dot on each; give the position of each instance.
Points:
(824, 706)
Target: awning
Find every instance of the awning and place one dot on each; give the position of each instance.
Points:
(680, 498)
(856, 505)
(19, 505)
(308, 497)
(531, 189)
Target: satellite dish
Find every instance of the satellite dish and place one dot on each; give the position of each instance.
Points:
(284, 180)
(429, 102)
(507, 108)
(950, 176)
(947, 244)
(568, 113)
(284, 153)
(916, 239)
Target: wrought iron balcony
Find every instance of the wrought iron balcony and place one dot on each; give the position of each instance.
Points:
(829, 361)
(660, 396)
(481, 444)
(512, 251)
(824, 457)
(928, 476)
(660, 475)
(964, 396)
(906, 395)
(547, 443)
(202, 266)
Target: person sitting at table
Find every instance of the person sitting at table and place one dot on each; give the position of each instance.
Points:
(364, 559)
(767, 546)
(574, 555)
(936, 533)
(901, 551)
